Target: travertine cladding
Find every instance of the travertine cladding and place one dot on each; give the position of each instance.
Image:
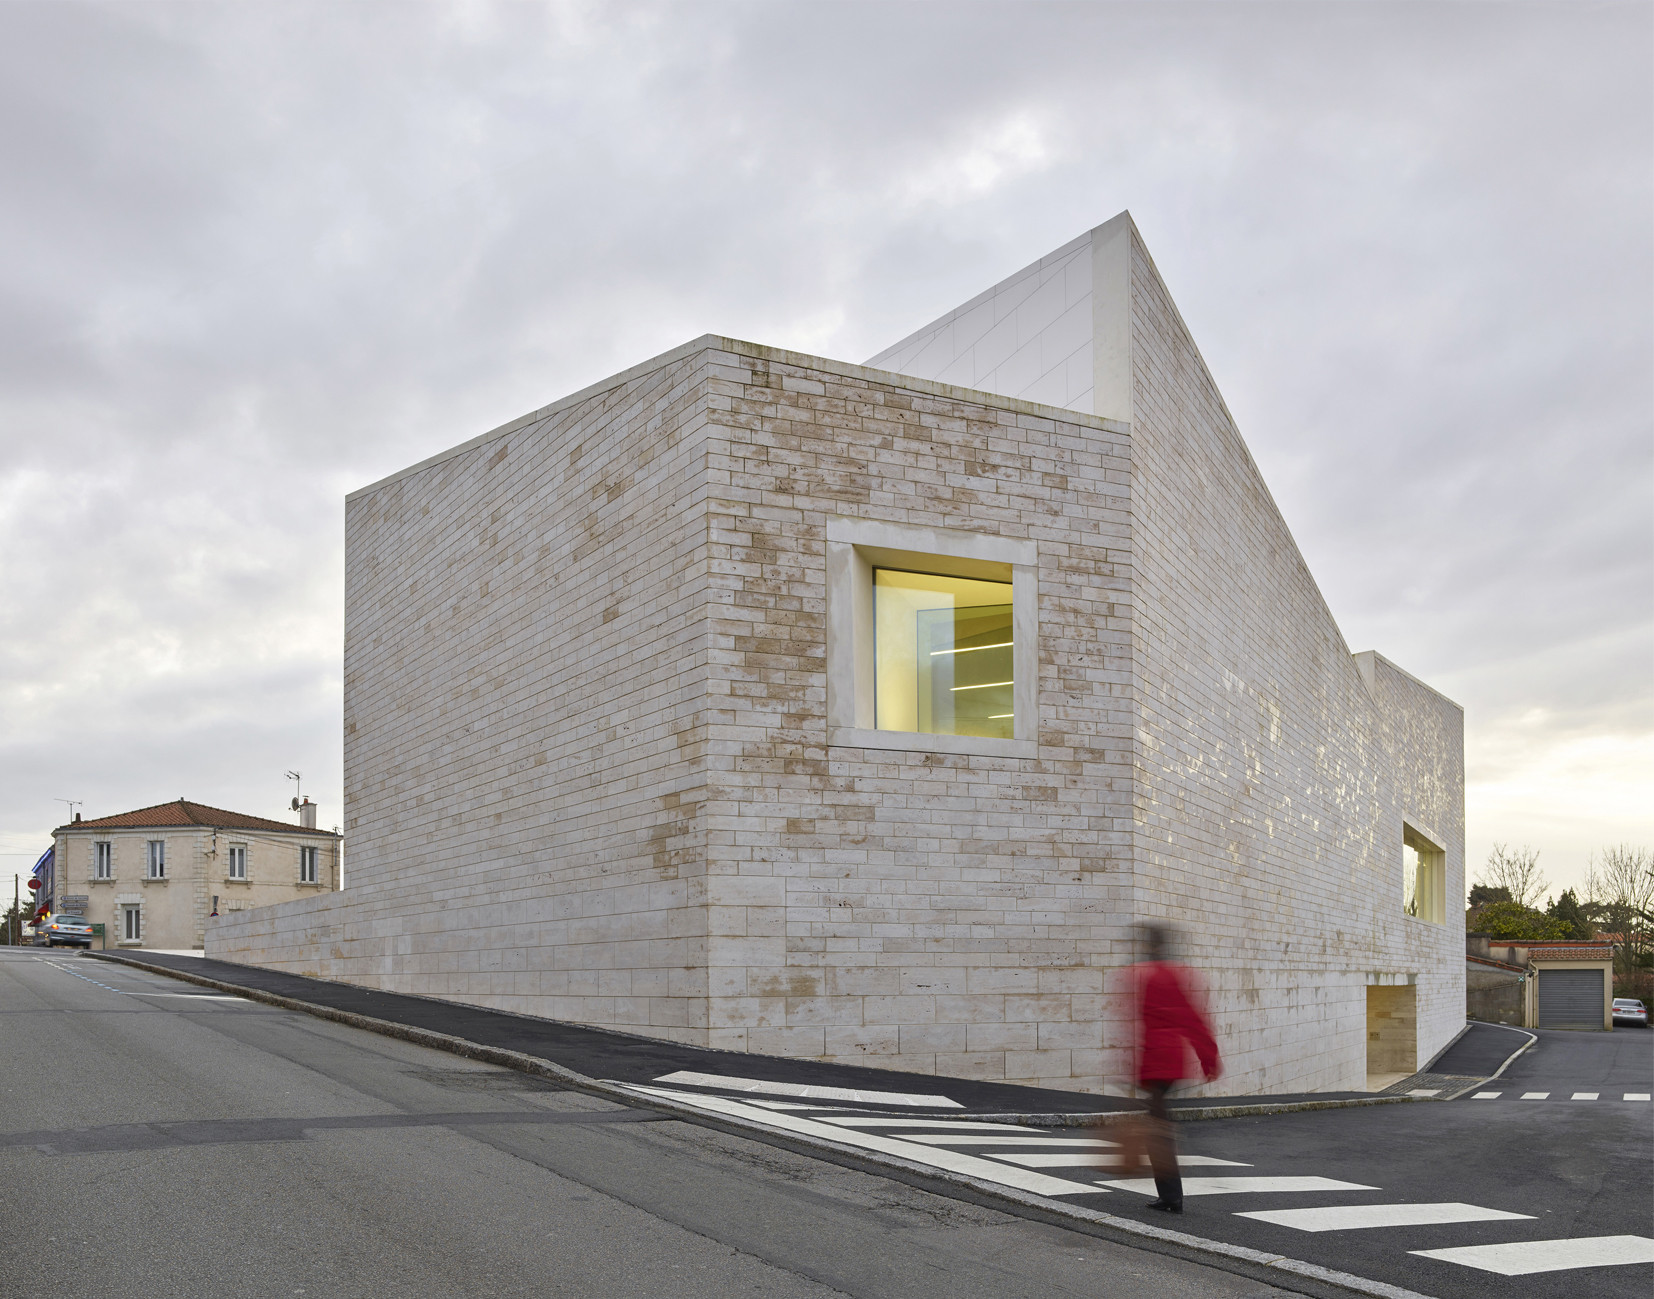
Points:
(586, 760)
(934, 912)
(585, 730)
(1271, 780)
(526, 646)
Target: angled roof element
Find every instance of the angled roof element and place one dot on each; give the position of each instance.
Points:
(1058, 331)
(180, 813)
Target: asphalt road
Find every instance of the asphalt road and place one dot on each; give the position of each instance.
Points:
(160, 1140)
(1577, 1168)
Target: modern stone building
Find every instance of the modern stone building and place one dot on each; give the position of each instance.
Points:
(154, 876)
(860, 713)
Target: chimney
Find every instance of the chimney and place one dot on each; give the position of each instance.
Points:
(77, 816)
(307, 815)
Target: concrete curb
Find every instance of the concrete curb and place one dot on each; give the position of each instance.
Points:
(1274, 1269)
(1511, 1058)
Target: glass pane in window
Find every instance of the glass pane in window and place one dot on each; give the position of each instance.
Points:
(944, 655)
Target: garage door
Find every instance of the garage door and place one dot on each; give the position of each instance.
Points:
(1570, 999)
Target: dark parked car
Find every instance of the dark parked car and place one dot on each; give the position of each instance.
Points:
(65, 931)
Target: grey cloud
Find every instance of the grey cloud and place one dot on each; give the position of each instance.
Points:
(269, 252)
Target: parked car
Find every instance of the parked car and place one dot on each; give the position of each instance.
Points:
(1628, 1010)
(65, 931)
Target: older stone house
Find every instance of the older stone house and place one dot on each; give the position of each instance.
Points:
(861, 712)
(154, 876)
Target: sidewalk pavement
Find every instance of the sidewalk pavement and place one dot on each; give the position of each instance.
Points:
(603, 1054)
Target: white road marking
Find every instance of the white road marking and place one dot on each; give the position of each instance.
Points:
(1535, 1096)
(123, 992)
(1425, 1091)
(193, 996)
(946, 1139)
(1636, 1096)
(1240, 1185)
(1351, 1217)
(1521, 1257)
(1487, 1096)
(1081, 1160)
(1585, 1096)
(689, 1078)
(916, 1121)
(818, 1110)
(952, 1160)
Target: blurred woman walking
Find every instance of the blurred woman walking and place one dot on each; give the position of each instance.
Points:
(1171, 1025)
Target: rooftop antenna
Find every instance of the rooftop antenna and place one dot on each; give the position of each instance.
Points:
(298, 788)
(73, 804)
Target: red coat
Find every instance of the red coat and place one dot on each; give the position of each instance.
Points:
(1169, 1024)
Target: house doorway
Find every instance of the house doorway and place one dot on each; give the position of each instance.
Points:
(1392, 1034)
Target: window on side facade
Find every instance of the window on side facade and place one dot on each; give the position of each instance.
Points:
(103, 860)
(132, 924)
(238, 861)
(932, 640)
(307, 865)
(157, 859)
(1423, 877)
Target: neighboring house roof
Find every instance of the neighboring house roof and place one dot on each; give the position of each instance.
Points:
(1503, 965)
(1569, 951)
(181, 813)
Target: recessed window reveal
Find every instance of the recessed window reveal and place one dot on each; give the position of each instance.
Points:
(944, 654)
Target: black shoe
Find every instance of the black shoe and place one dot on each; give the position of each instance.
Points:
(1165, 1206)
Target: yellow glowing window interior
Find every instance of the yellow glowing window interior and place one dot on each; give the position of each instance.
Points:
(944, 655)
(1423, 877)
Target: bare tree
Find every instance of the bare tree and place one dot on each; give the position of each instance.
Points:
(1516, 870)
(1619, 888)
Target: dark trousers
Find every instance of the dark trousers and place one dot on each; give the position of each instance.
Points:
(1168, 1181)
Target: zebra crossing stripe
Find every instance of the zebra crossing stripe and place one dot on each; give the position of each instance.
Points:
(953, 1161)
(1523, 1257)
(1636, 1096)
(1080, 1159)
(1352, 1217)
(1487, 1096)
(1535, 1096)
(1239, 1185)
(1585, 1096)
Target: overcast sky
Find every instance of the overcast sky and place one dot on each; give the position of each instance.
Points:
(260, 254)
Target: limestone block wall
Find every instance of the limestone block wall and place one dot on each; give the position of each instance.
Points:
(1271, 781)
(525, 658)
(921, 910)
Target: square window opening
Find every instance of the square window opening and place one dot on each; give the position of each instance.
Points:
(944, 653)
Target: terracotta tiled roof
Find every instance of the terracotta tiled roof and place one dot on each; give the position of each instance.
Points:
(1568, 951)
(1487, 960)
(180, 812)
